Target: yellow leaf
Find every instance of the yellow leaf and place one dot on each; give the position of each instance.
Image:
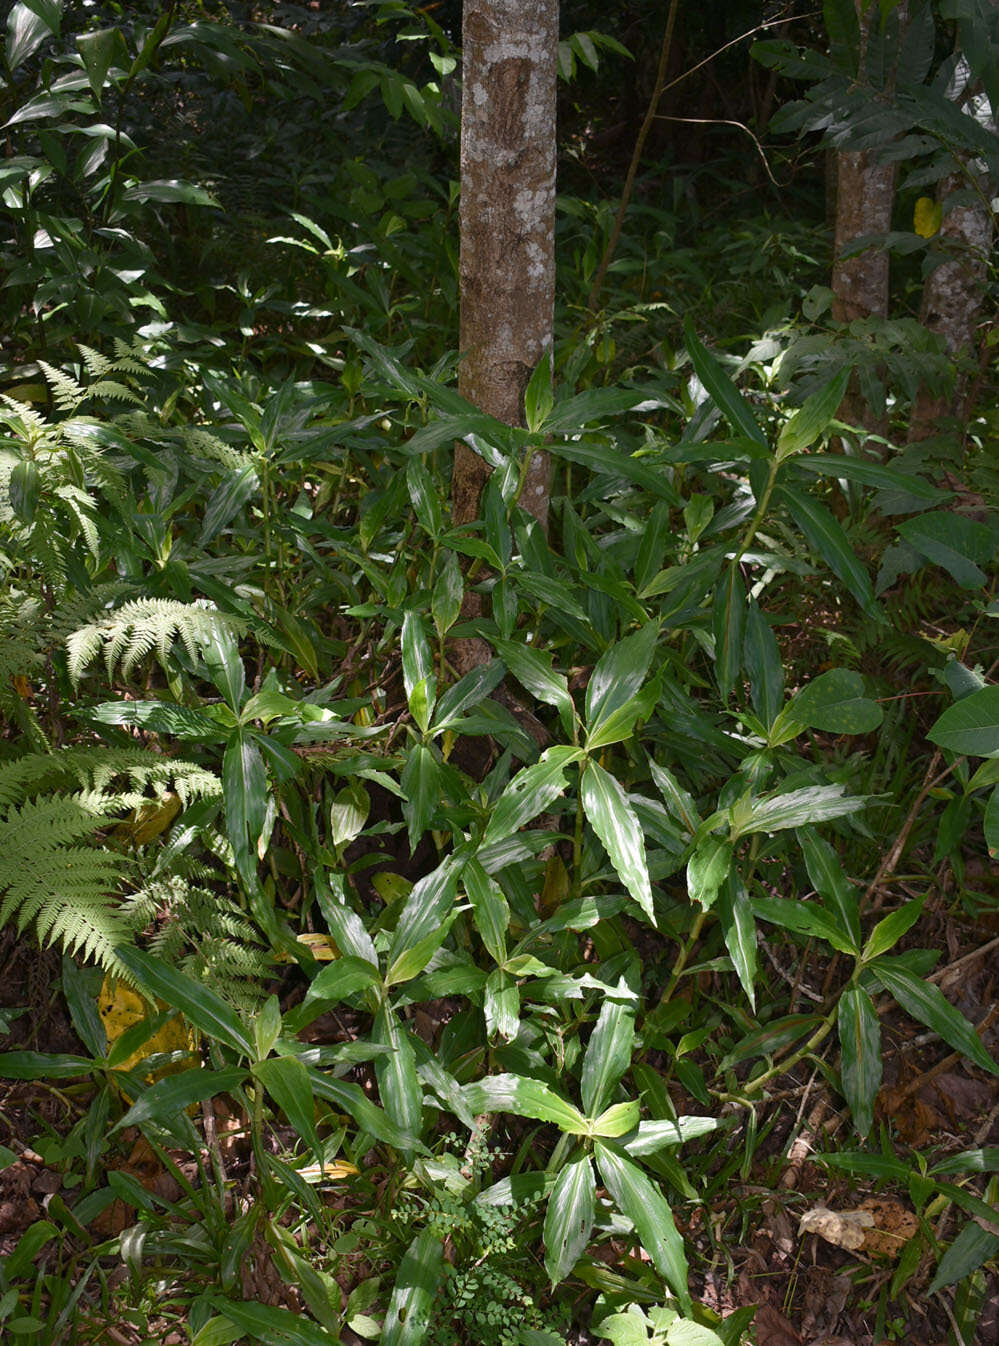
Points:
(337, 1168)
(121, 1008)
(145, 823)
(927, 216)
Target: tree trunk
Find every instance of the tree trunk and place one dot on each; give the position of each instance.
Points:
(507, 219)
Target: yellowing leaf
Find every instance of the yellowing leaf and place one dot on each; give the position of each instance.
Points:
(121, 1008)
(320, 946)
(337, 1168)
(927, 216)
(145, 823)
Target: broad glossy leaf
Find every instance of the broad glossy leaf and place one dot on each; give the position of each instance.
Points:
(448, 591)
(398, 1083)
(221, 655)
(348, 814)
(827, 538)
(721, 389)
(342, 978)
(860, 1065)
(991, 823)
(269, 1325)
(199, 1004)
(351, 1098)
(653, 1136)
(617, 1120)
(417, 660)
(529, 793)
(159, 717)
(603, 458)
(812, 418)
(414, 1292)
(489, 907)
(927, 1003)
(762, 662)
(27, 29)
(834, 702)
(501, 1006)
(414, 959)
(44, 1066)
(608, 1052)
(870, 474)
(469, 691)
(806, 918)
(958, 544)
(287, 1081)
(619, 674)
(425, 498)
(771, 1038)
(728, 620)
(826, 874)
(569, 1218)
(679, 803)
(735, 913)
(890, 929)
(797, 808)
(613, 819)
(171, 190)
(538, 396)
(524, 1097)
(427, 905)
(707, 869)
(620, 724)
(244, 790)
(342, 921)
(533, 669)
(421, 783)
(973, 1247)
(971, 725)
(646, 1208)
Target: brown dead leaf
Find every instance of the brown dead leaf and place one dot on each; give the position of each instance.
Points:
(891, 1228)
(773, 1329)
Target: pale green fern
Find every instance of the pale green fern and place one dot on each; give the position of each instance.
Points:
(134, 630)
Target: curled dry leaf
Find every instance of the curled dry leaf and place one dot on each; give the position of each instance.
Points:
(880, 1226)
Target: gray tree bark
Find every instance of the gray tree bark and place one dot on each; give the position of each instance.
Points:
(507, 222)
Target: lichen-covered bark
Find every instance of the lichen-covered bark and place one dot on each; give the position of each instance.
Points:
(507, 223)
(865, 191)
(953, 295)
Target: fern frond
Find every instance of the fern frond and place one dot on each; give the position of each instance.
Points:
(67, 394)
(92, 771)
(146, 624)
(49, 877)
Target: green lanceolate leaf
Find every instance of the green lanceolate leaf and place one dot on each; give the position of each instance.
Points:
(826, 874)
(287, 1081)
(158, 717)
(43, 1066)
(679, 803)
(618, 675)
(927, 1003)
(501, 1006)
(973, 1247)
(828, 540)
(165, 1100)
(417, 668)
(805, 918)
(569, 1218)
(890, 929)
(469, 691)
(220, 652)
(421, 784)
(351, 1098)
(427, 906)
(735, 912)
(620, 723)
(414, 1292)
(207, 1011)
(646, 1208)
(860, 1065)
(529, 793)
(707, 869)
(971, 726)
(728, 619)
(533, 669)
(398, 1083)
(613, 819)
(812, 419)
(489, 908)
(617, 1120)
(814, 804)
(244, 790)
(269, 1325)
(762, 662)
(608, 1053)
(721, 389)
(342, 921)
(524, 1097)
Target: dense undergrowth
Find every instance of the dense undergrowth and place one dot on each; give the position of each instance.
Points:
(482, 1009)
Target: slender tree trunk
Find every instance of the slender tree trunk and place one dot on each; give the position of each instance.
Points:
(865, 195)
(507, 266)
(507, 224)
